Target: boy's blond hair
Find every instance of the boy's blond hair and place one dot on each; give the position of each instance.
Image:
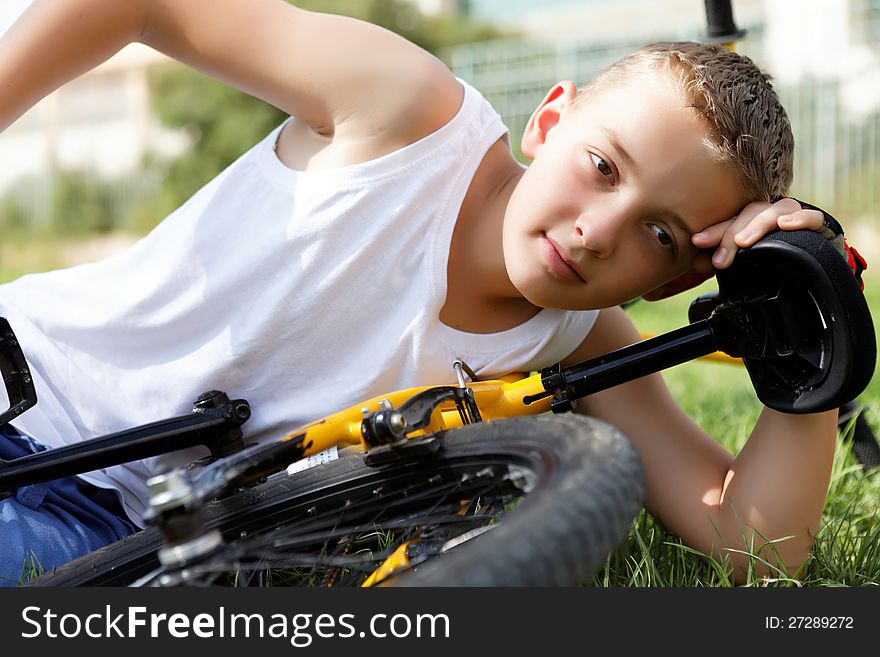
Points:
(748, 128)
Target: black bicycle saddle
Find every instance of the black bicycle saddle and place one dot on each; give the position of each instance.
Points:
(791, 308)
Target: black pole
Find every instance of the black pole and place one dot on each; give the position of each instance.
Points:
(720, 26)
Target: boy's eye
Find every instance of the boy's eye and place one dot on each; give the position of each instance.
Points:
(663, 237)
(602, 166)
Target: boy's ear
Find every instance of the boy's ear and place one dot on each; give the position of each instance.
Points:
(547, 116)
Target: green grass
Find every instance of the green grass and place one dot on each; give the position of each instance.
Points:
(720, 398)
(30, 569)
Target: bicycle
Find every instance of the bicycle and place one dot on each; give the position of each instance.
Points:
(425, 488)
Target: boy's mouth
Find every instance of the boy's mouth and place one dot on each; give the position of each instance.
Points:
(559, 262)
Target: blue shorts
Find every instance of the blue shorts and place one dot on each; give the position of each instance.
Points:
(48, 524)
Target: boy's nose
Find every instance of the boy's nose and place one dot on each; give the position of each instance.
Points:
(598, 233)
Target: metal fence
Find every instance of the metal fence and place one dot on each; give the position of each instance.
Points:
(836, 159)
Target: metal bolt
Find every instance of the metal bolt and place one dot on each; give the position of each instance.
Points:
(211, 399)
(397, 423)
(459, 375)
(169, 490)
(242, 411)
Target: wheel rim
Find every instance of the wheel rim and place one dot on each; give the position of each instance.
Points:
(341, 532)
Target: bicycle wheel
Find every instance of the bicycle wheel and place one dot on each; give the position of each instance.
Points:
(533, 501)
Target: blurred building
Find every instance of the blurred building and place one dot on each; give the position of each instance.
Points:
(101, 122)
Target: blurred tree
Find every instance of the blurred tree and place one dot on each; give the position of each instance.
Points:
(81, 203)
(223, 122)
(12, 214)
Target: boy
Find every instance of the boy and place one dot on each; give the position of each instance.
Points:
(391, 202)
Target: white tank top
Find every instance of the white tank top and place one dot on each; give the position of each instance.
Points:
(302, 292)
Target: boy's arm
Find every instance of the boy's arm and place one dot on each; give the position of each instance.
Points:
(53, 42)
(776, 486)
(345, 78)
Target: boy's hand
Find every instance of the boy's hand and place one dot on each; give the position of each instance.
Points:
(720, 242)
(755, 221)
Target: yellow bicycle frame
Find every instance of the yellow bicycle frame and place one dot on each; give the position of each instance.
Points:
(496, 399)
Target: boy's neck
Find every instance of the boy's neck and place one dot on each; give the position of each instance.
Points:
(480, 297)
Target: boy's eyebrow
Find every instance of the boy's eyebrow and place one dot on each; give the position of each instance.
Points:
(674, 218)
(616, 145)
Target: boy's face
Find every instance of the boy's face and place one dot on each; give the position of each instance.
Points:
(616, 188)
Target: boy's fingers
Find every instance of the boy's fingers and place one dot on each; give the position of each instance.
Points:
(802, 219)
(727, 247)
(754, 222)
(711, 236)
(765, 222)
(773, 218)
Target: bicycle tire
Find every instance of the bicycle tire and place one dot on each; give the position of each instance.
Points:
(586, 487)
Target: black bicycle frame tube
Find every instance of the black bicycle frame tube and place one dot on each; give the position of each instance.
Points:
(216, 428)
(567, 384)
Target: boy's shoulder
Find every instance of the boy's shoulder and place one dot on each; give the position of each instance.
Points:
(403, 114)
